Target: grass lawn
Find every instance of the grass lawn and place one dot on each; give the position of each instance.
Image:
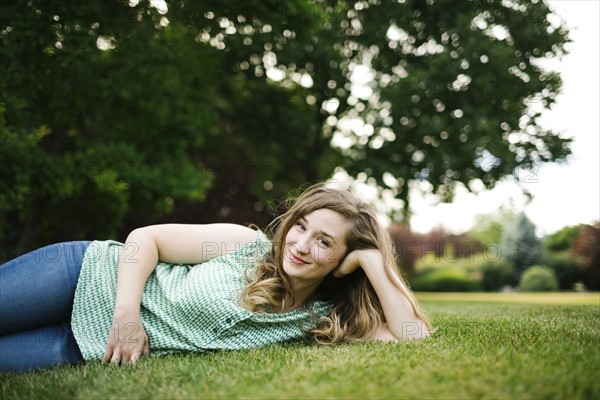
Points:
(486, 346)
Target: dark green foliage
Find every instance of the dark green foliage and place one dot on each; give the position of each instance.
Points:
(563, 239)
(147, 112)
(496, 275)
(120, 126)
(538, 279)
(566, 267)
(453, 89)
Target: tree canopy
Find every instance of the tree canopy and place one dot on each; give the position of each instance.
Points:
(114, 114)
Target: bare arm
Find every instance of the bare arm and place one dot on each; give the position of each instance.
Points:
(401, 321)
(144, 248)
(175, 244)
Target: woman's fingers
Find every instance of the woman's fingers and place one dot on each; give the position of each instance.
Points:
(116, 357)
(146, 350)
(108, 353)
(357, 259)
(135, 357)
(139, 351)
(123, 356)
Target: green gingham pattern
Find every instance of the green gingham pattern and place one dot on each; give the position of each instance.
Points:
(184, 307)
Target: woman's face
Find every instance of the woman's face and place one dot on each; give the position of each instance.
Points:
(315, 245)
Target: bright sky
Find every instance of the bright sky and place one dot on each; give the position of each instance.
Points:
(563, 194)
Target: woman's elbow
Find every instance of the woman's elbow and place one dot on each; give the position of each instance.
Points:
(413, 330)
(383, 334)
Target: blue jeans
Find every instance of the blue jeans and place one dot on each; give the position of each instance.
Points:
(36, 299)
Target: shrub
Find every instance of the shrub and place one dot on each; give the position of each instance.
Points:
(566, 267)
(445, 280)
(538, 279)
(496, 275)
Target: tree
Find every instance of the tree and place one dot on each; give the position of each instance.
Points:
(587, 245)
(104, 114)
(488, 228)
(563, 239)
(408, 246)
(558, 256)
(450, 98)
(197, 110)
(520, 245)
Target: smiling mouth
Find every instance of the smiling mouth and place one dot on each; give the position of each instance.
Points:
(297, 260)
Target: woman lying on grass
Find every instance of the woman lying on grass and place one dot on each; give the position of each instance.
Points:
(329, 274)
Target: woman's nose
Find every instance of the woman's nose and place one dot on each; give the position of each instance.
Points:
(303, 246)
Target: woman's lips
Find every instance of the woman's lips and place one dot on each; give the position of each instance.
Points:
(297, 260)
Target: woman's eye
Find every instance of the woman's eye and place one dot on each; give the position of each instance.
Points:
(324, 242)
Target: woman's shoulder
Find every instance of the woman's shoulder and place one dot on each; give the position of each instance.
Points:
(244, 256)
(258, 246)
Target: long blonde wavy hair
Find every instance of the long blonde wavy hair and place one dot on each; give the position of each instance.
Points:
(357, 312)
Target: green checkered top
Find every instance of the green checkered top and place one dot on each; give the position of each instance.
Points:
(184, 307)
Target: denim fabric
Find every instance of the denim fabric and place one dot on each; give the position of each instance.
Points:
(36, 300)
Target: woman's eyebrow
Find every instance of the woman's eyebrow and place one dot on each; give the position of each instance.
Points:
(320, 231)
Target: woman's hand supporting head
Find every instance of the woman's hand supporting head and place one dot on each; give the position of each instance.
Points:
(363, 258)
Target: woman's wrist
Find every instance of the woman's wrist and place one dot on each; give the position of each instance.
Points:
(126, 310)
(371, 261)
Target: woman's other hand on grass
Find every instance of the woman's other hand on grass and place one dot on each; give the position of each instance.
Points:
(127, 340)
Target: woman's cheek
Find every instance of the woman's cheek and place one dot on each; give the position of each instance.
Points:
(331, 257)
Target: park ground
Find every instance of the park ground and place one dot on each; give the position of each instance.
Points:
(486, 346)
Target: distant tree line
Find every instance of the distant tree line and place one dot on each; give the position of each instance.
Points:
(500, 251)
